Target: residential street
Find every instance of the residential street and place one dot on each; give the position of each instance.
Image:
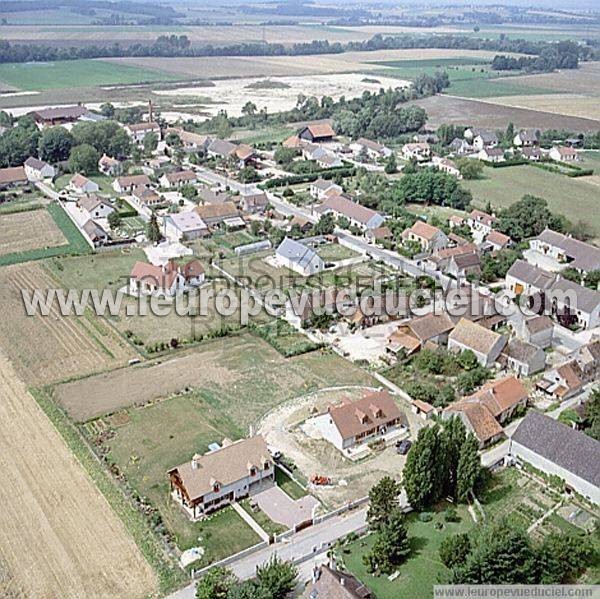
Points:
(306, 544)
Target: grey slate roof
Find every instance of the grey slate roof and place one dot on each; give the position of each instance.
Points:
(572, 450)
(587, 299)
(521, 350)
(297, 252)
(523, 271)
(585, 257)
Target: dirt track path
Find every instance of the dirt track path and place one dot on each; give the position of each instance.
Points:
(58, 535)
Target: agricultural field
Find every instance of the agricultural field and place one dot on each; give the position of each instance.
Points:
(54, 521)
(23, 242)
(241, 373)
(491, 115)
(23, 231)
(42, 76)
(574, 197)
(47, 349)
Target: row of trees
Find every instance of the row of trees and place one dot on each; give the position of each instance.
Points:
(562, 55)
(274, 580)
(501, 553)
(179, 46)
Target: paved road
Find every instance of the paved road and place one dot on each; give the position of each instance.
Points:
(307, 544)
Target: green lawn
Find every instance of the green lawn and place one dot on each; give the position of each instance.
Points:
(419, 573)
(292, 488)
(270, 527)
(42, 76)
(576, 198)
(333, 252)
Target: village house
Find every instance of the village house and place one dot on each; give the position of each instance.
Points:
(95, 206)
(538, 330)
(562, 382)
(497, 241)
(456, 221)
(441, 259)
(49, 117)
(299, 258)
(177, 179)
(109, 166)
(447, 166)
(484, 412)
(330, 583)
(566, 251)
(222, 476)
(138, 131)
(38, 170)
(379, 234)
(215, 214)
(245, 155)
(356, 422)
(317, 133)
(80, 184)
(166, 280)
(484, 343)
(464, 265)
(128, 183)
(558, 450)
(461, 147)
(184, 226)
(564, 154)
(481, 222)
(191, 142)
(430, 238)
(522, 277)
(582, 303)
(13, 176)
(253, 202)
(302, 223)
(534, 154)
(322, 156)
(485, 140)
(588, 359)
(220, 148)
(410, 337)
(145, 197)
(421, 152)
(293, 142)
(359, 216)
(523, 358)
(321, 187)
(97, 235)
(373, 150)
(489, 154)
(527, 138)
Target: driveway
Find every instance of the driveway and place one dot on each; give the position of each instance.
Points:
(281, 508)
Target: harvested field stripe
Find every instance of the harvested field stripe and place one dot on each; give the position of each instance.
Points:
(58, 535)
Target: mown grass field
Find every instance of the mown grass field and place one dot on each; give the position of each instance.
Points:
(576, 198)
(42, 76)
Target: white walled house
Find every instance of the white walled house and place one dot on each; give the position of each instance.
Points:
(186, 225)
(421, 152)
(177, 179)
(485, 344)
(95, 206)
(81, 184)
(216, 479)
(38, 170)
(357, 215)
(558, 450)
(321, 188)
(299, 258)
(138, 131)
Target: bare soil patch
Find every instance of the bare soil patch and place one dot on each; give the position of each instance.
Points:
(28, 231)
(58, 535)
(449, 109)
(47, 349)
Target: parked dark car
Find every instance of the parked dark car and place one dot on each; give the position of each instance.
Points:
(403, 446)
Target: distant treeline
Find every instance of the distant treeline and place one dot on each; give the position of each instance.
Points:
(562, 55)
(123, 6)
(549, 53)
